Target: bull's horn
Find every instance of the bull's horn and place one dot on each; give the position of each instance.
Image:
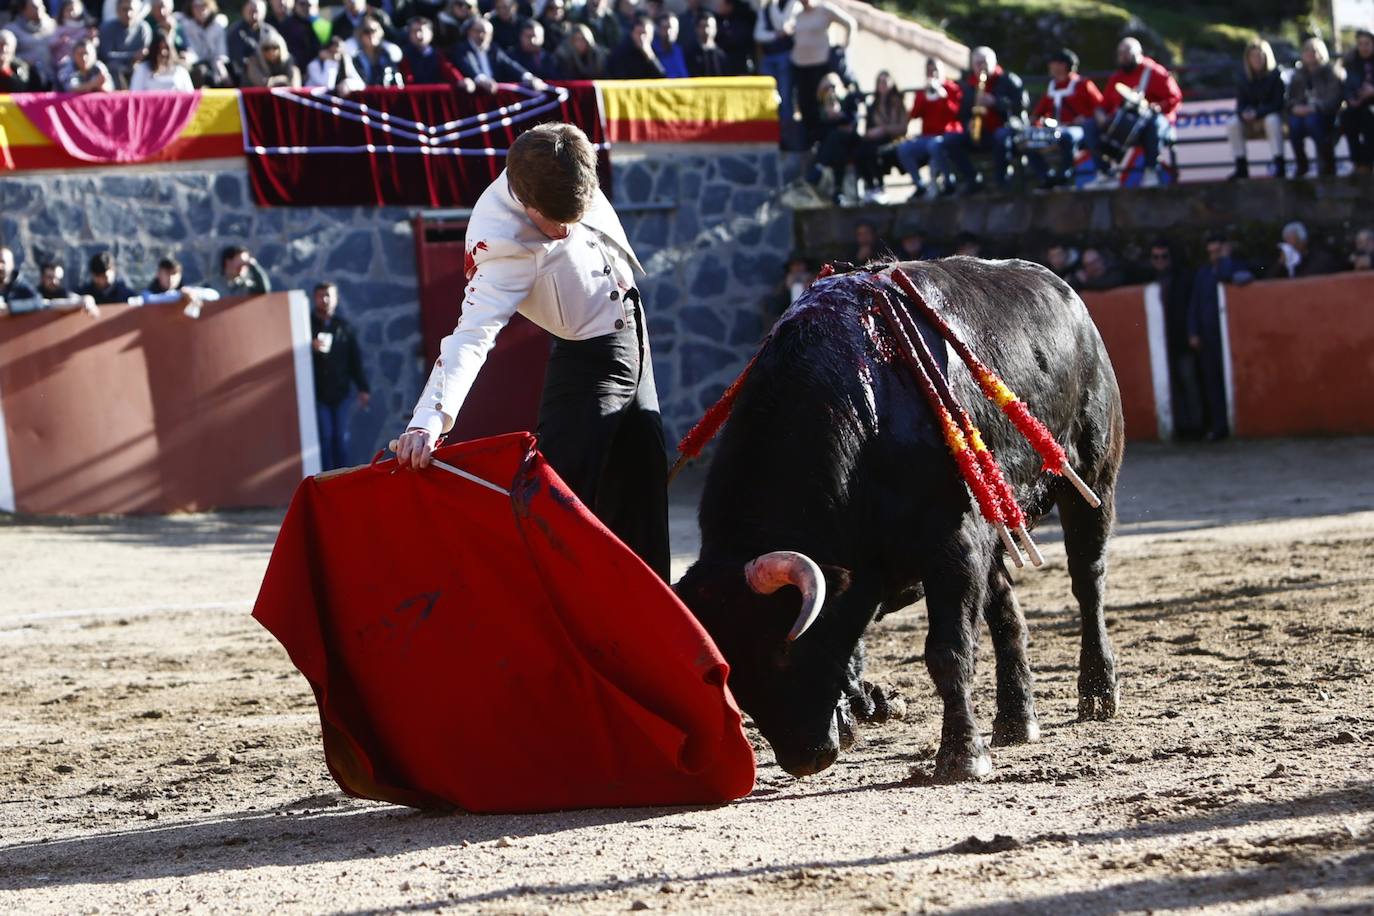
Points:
(770, 572)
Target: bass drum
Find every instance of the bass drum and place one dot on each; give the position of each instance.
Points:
(1122, 134)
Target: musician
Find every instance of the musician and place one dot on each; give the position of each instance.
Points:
(1147, 77)
(1259, 107)
(1071, 101)
(992, 111)
(937, 108)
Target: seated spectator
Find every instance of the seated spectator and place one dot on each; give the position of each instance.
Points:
(33, 30)
(839, 115)
(1362, 255)
(163, 18)
(634, 59)
(240, 274)
(346, 22)
(1359, 101)
(421, 62)
(937, 108)
(486, 64)
(735, 21)
(1095, 272)
(1142, 75)
(451, 25)
(207, 35)
(245, 37)
(84, 72)
(53, 293)
(1070, 103)
(530, 53)
(601, 19)
(991, 117)
(15, 75)
(506, 24)
(16, 297)
(377, 60)
(885, 123)
(333, 69)
(579, 57)
(161, 70)
(554, 19)
(272, 65)
(1312, 103)
(73, 24)
(668, 49)
(305, 32)
(1297, 258)
(1063, 260)
(1259, 107)
(705, 58)
(124, 41)
(105, 286)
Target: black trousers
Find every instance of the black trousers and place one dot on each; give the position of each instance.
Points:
(600, 429)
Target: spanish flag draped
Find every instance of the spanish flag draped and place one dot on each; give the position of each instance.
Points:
(703, 110)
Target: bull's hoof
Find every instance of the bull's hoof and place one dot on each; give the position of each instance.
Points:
(876, 704)
(1006, 732)
(1097, 706)
(967, 764)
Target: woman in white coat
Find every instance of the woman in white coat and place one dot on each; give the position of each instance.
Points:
(544, 241)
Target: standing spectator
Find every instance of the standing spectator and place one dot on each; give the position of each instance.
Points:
(72, 25)
(968, 245)
(1359, 100)
(530, 53)
(811, 57)
(15, 75)
(885, 123)
(16, 297)
(305, 32)
(506, 24)
(1071, 101)
(937, 108)
(1175, 292)
(278, 11)
(773, 32)
(347, 21)
(735, 21)
(451, 25)
(705, 58)
(246, 36)
(378, 61)
(1362, 255)
(421, 62)
(998, 110)
(1062, 259)
(1095, 272)
(161, 70)
(240, 274)
(1148, 77)
(915, 246)
(1297, 258)
(1205, 331)
(166, 288)
(579, 57)
(334, 69)
(668, 49)
(635, 58)
(105, 286)
(84, 72)
(207, 37)
(53, 293)
(554, 19)
(1259, 107)
(687, 21)
(866, 242)
(272, 65)
(1314, 100)
(338, 364)
(486, 64)
(163, 19)
(33, 30)
(601, 19)
(124, 41)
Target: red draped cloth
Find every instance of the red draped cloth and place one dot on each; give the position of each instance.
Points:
(495, 652)
(433, 146)
(110, 126)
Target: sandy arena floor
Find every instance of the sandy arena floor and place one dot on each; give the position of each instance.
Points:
(159, 753)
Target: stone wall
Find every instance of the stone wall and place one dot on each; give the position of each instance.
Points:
(705, 222)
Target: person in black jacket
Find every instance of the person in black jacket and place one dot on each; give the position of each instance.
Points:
(1359, 102)
(480, 60)
(1175, 281)
(704, 56)
(105, 286)
(634, 58)
(1259, 107)
(991, 117)
(338, 364)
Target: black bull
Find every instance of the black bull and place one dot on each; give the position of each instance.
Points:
(831, 450)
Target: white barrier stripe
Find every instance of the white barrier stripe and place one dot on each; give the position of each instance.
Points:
(1226, 370)
(307, 421)
(138, 611)
(472, 477)
(7, 503)
(1159, 360)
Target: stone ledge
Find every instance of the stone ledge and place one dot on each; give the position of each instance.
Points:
(928, 42)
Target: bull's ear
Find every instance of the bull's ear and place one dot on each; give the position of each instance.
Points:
(837, 579)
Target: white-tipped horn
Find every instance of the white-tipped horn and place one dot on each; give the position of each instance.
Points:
(770, 572)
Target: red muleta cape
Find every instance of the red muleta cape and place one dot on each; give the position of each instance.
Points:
(496, 653)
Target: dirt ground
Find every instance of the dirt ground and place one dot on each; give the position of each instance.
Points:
(159, 753)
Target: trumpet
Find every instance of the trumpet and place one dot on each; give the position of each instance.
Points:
(975, 126)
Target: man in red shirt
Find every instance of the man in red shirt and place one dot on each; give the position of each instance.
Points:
(937, 108)
(1145, 76)
(998, 109)
(1071, 101)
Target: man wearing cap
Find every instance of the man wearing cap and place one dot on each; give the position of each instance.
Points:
(1071, 101)
(544, 241)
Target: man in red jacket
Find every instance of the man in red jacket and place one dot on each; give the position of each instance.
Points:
(1146, 77)
(937, 108)
(1071, 101)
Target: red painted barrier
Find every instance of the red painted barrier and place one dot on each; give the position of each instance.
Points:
(1120, 318)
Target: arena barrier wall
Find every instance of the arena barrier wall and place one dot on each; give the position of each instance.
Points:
(147, 410)
(1296, 356)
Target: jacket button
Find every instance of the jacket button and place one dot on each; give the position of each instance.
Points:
(619, 324)
(591, 243)
(439, 363)
(438, 406)
(607, 271)
(615, 294)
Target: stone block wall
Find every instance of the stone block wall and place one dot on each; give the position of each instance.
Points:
(705, 222)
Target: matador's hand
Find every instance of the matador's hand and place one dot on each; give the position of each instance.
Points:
(413, 449)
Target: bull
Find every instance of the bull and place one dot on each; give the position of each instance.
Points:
(832, 476)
